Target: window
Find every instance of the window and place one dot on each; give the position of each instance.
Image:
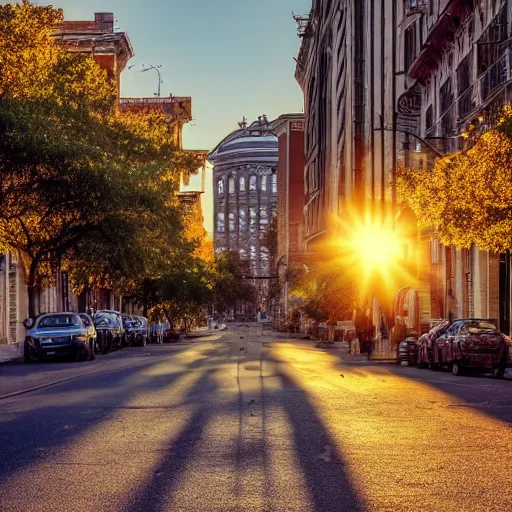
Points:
(263, 183)
(253, 213)
(243, 254)
(273, 183)
(263, 217)
(242, 184)
(252, 182)
(232, 222)
(220, 188)
(409, 47)
(231, 185)
(220, 222)
(429, 118)
(252, 256)
(264, 255)
(242, 220)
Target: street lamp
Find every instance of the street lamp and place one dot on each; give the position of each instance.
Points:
(157, 69)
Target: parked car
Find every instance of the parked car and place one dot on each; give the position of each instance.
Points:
(157, 332)
(129, 326)
(110, 330)
(91, 331)
(426, 341)
(58, 335)
(171, 335)
(407, 351)
(473, 344)
(141, 330)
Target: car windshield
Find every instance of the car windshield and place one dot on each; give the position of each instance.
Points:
(481, 328)
(59, 321)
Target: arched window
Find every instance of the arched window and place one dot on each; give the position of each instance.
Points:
(263, 183)
(252, 182)
(231, 185)
(231, 222)
(242, 184)
(273, 183)
(220, 188)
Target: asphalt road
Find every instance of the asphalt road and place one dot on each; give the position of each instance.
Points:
(247, 423)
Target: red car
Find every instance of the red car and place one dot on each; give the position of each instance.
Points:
(473, 343)
(425, 342)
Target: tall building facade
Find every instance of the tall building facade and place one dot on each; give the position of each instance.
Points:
(462, 67)
(289, 129)
(245, 185)
(391, 83)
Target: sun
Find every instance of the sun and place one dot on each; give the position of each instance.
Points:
(374, 252)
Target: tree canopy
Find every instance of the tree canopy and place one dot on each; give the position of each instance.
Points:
(467, 197)
(82, 182)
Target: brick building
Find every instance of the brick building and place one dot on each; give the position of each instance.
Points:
(111, 49)
(289, 129)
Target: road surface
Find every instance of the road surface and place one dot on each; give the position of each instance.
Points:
(240, 422)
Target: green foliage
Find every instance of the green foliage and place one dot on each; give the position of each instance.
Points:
(83, 184)
(230, 285)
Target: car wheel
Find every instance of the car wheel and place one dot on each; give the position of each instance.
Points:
(27, 359)
(92, 346)
(499, 372)
(81, 353)
(457, 369)
(144, 341)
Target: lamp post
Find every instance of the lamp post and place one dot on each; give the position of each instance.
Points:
(157, 69)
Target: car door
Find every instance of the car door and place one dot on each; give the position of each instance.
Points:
(444, 344)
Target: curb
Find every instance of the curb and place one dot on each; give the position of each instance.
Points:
(40, 386)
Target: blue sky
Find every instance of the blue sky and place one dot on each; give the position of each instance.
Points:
(234, 57)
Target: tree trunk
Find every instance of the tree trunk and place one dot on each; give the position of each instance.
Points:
(32, 288)
(145, 310)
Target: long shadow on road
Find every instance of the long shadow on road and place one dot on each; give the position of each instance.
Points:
(30, 430)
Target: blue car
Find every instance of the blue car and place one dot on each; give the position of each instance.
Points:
(58, 335)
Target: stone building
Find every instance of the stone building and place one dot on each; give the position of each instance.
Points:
(245, 185)
(462, 67)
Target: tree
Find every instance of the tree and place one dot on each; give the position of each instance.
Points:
(467, 197)
(74, 169)
(230, 286)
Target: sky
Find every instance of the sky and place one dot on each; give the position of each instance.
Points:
(233, 57)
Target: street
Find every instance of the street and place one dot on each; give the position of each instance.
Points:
(244, 422)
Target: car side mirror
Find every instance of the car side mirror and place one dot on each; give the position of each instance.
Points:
(28, 323)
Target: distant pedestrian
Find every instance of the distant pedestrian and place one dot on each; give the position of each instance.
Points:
(370, 349)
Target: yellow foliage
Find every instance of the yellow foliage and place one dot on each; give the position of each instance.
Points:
(467, 197)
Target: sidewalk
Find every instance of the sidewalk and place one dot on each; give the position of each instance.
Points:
(11, 352)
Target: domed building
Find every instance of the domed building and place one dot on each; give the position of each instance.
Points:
(245, 190)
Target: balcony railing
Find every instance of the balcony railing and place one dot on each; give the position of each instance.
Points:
(478, 94)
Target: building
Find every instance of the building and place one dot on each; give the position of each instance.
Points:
(289, 129)
(178, 110)
(245, 185)
(462, 67)
(110, 49)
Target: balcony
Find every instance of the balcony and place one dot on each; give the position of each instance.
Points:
(477, 96)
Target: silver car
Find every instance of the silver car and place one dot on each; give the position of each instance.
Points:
(58, 335)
